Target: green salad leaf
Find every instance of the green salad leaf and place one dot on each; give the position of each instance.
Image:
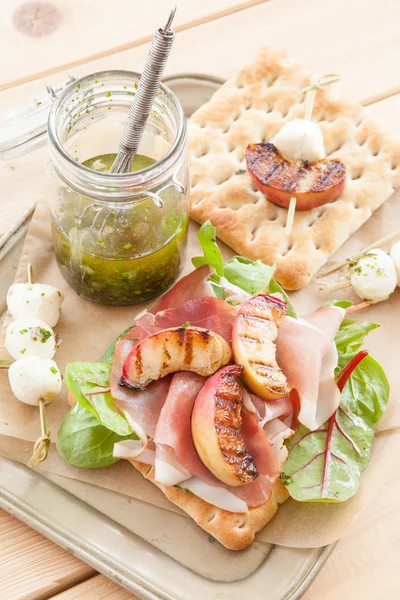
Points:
(212, 255)
(350, 338)
(252, 277)
(86, 381)
(109, 353)
(366, 393)
(83, 442)
(325, 465)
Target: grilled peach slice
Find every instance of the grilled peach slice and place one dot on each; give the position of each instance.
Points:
(217, 428)
(279, 179)
(253, 342)
(175, 349)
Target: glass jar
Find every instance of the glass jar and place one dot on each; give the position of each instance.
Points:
(119, 239)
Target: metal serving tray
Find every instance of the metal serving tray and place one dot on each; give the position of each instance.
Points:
(154, 553)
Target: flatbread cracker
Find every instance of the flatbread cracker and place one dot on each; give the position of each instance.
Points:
(235, 531)
(252, 107)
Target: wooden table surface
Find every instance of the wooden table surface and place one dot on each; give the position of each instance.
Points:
(360, 39)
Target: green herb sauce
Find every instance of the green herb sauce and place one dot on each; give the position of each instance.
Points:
(128, 255)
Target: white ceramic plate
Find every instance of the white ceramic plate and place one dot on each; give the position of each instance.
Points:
(152, 552)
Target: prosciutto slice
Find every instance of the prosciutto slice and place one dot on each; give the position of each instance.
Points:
(209, 313)
(267, 410)
(174, 425)
(174, 432)
(307, 355)
(191, 286)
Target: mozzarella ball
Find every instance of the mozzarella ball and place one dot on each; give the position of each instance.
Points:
(395, 256)
(300, 139)
(374, 276)
(33, 379)
(35, 301)
(30, 337)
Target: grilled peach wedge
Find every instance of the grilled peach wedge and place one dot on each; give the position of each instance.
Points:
(253, 342)
(279, 179)
(176, 349)
(217, 428)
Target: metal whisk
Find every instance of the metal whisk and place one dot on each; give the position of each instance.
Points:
(144, 97)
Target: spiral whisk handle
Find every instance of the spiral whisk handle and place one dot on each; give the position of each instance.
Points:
(148, 85)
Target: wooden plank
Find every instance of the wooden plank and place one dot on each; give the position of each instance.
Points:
(220, 47)
(32, 567)
(87, 30)
(96, 588)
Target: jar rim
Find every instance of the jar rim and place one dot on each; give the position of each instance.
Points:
(130, 178)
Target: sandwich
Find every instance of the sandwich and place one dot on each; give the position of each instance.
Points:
(228, 401)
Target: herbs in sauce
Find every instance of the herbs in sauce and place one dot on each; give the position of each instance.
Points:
(122, 254)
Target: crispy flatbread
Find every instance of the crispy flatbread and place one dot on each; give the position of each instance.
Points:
(235, 531)
(252, 107)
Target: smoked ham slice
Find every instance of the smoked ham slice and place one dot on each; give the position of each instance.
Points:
(307, 355)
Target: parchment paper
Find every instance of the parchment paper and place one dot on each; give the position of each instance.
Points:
(87, 329)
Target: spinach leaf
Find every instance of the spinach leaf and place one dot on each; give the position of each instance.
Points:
(109, 353)
(341, 303)
(350, 338)
(325, 465)
(212, 255)
(83, 442)
(366, 393)
(86, 380)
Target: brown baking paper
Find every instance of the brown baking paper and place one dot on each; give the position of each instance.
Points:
(87, 329)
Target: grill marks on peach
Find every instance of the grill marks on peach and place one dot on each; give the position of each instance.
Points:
(273, 169)
(228, 426)
(256, 329)
(175, 349)
(279, 179)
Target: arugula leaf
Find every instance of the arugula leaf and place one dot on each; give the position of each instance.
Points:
(219, 290)
(366, 393)
(86, 380)
(253, 277)
(325, 465)
(83, 442)
(250, 276)
(212, 255)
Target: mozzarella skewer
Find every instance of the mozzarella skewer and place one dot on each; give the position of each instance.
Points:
(374, 276)
(301, 139)
(342, 263)
(34, 377)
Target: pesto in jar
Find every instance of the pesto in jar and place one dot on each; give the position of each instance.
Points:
(120, 254)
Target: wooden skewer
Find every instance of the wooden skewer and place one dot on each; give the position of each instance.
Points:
(42, 445)
(315, 85)
(356, 307)
(290, 215)
(338, 286)
(360, 254)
